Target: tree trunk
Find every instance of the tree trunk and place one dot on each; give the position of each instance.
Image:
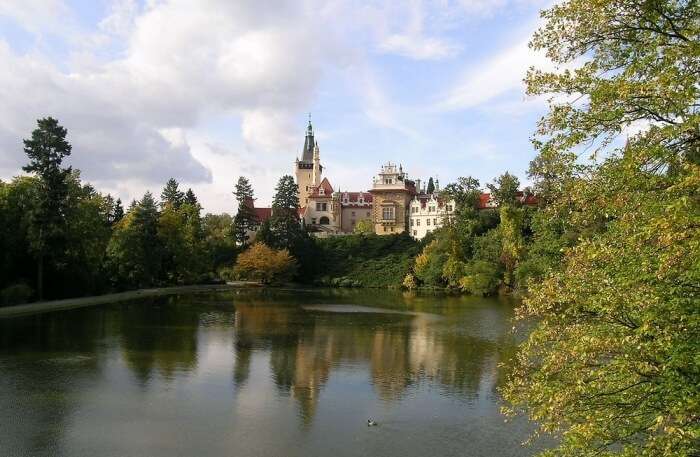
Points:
(40, 276)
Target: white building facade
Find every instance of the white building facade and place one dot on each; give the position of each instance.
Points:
(428, 212)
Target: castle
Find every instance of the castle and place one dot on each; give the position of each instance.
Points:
(394, 204)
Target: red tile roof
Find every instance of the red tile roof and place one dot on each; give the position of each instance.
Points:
(262, 214)
(353, 199)
(327, 189)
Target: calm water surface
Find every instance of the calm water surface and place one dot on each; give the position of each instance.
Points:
(260, 373)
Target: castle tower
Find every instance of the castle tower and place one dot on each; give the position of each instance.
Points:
(308, 169)
(392, 192)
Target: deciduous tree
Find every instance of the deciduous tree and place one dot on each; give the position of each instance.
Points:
(611, 365)
(260, 262)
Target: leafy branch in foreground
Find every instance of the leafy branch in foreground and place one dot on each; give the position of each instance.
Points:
(612, 364)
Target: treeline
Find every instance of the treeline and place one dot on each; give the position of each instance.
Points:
(483, 251)
(59, 237)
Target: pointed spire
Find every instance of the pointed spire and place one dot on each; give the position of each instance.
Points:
(308, 153)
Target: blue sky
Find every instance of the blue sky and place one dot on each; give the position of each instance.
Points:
(206, 91)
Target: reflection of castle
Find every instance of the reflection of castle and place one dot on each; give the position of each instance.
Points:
(302, 358)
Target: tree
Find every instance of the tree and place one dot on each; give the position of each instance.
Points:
(46, 150)
(191, 198)
(364, 226)
(262, 263)
(512, 242)
(172, 194)
(135, 251)
(285, 226)
(245, 219)
(504, 190)
(118, 213)
(431, 186)
(218, 242)
(611, 365)
(18, 202)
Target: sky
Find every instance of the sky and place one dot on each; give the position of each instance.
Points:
(205, 91)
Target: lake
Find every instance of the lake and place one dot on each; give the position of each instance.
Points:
(261, 372)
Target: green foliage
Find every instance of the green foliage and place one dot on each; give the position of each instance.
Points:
(431, 186)
(364, 226)
(611, 365)
(135, 252)
(480, 278)
(16, 294)
(504, 190)
(430, 263)
(366, 260)
(191, 198)
(512, 242)
(245, 219)
(171, 194)
(46, 150)
(285, 225)
(218, 243)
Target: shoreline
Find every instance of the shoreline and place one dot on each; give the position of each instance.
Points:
(82, 302)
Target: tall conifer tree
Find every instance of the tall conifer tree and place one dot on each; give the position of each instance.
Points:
(46, 150)
(245, 219)
(172, 194)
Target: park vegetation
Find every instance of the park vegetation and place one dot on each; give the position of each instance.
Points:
(608, 261)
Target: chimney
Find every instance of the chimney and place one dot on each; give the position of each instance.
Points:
(418, 186)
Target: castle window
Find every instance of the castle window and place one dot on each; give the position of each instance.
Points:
(418, 222)
(415, 233)
(427, 222)
(434, 221)
(448, 208)
(411, 222)
(324, 221)
(321, 207)
(313, 220)
(368, 214)
(388, 213)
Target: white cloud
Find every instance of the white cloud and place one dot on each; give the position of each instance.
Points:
(140, 91)
(402, 31)
(37, 15)
(484, 81)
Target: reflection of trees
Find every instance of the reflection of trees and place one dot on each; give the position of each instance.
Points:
(159, 335)
(49, 356)
(400, 350)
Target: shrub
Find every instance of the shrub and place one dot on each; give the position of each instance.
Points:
(16, 294)
(481, 278)
(409, 282)
(262, 263)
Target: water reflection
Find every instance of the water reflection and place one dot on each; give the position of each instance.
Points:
(398, 349)
(229, 373)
